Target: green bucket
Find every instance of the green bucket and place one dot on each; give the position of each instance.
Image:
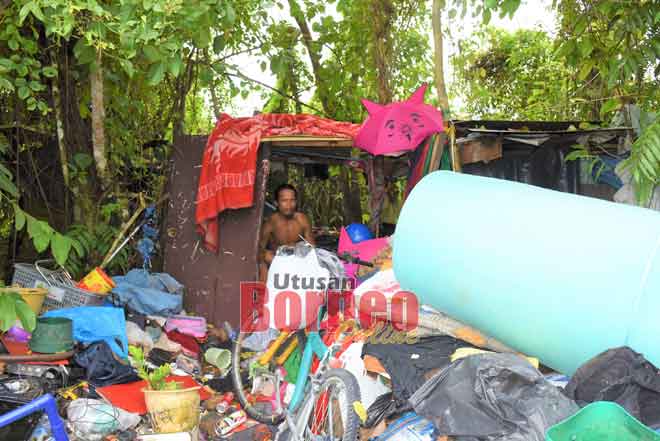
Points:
(52, 335)
(601, 421)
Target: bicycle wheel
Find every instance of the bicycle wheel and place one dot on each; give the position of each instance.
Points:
(328, 412)
(242, 358)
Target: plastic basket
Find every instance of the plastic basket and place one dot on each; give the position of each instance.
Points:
(62, 292)
(601, 421)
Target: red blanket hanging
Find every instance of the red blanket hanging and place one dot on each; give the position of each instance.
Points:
(230, 161)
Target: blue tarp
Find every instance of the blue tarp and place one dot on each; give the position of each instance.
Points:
(97, 323)
(149, 293)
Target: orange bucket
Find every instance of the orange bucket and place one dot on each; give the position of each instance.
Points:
(97, 281)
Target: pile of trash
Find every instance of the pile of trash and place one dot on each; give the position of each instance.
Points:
(113, 359)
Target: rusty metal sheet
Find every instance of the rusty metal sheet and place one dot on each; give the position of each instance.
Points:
(212, 280)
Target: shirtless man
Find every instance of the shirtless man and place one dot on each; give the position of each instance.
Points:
(282, 228)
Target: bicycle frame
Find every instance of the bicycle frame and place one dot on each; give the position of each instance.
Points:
(313, 346)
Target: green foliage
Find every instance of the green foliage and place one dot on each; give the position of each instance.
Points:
(614, 47)
(511, 75)
(156, 377)
(91, 248)
(644, 162)
(12, 305)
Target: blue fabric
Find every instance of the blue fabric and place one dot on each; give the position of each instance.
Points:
(607, 174)
(149, 293)
(97, 323)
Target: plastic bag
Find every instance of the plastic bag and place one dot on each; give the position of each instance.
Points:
(97, 323)
(381, 408)
(410, 427)
(492, 397)
(297, 273)
(370, 388)
(92, 420)
(137, 337)
(102, 368)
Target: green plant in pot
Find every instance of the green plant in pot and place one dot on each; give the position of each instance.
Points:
(154, 377)
(13, 306)
(171, 407)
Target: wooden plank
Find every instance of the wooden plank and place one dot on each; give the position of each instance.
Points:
(308, 141)
(483, 149)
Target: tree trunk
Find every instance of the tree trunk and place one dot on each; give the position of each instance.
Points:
(383, 15)
(98, 122)
(314, 57)
(438, 56)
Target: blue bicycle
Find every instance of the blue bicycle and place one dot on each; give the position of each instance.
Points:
(323, 405)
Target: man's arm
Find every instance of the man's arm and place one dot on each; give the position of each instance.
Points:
(265, 256)
(307, 229)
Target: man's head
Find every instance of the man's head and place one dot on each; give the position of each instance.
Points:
(286, 196)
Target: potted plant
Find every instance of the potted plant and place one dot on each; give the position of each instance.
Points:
(171, 407)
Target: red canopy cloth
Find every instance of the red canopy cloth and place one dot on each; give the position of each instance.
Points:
(230, 161)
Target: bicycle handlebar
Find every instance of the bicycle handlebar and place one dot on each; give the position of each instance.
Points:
(351, 259)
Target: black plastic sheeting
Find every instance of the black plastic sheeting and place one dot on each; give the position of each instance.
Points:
(623, 376)
(543, 166)
(492, 397)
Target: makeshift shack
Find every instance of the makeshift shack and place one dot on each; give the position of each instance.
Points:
(528, 151)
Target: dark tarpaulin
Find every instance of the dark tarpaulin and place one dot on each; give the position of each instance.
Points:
(543, 166)
(623, 376)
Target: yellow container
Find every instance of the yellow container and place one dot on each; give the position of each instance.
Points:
(34, 297)
(97, 281)
(173, 410)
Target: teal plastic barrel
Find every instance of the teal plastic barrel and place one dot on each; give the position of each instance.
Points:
(601, 421)
(554, 275)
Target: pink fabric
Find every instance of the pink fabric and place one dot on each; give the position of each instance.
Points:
(187, 325)
(365, 250)
(398, 127)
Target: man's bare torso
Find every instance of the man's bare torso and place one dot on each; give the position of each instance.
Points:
(286, 231)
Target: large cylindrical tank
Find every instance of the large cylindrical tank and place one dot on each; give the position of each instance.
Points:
(554, 275)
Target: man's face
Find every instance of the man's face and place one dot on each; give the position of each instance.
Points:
(286, 203)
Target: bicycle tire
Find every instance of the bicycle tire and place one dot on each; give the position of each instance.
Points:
(352, 388)
(239, 387)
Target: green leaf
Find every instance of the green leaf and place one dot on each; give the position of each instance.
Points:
(128, 67)
(80, 251)
(6, 84)
(609, 105)
(23, 92)
(41, 243)
(49, 71)
(19, 218)
(152, 54)
(60, 246)
(23, 13)
(585, 46)
(176, 65)
(452, 14)
(85, 54)
(8, 186)
(83, 160)
(26, 315)
(36, 11)
(230, 14)
(7, 311)
(218, 44)
(156, 73)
